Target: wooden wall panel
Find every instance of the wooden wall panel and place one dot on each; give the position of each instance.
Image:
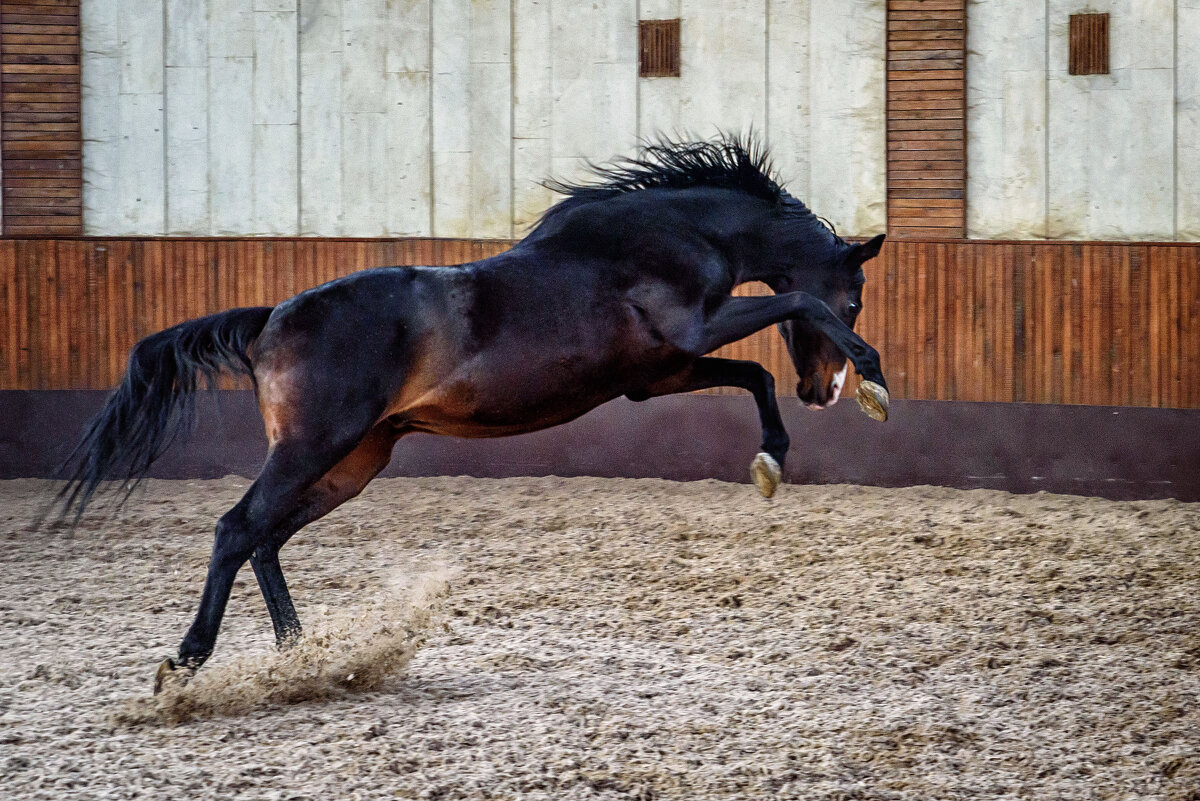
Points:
(41, 142)
(926, 118)
(1058, 322)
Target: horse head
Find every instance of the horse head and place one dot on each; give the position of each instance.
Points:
(820, 364)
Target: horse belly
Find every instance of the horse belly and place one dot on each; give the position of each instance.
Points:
(452, 417)
(495, 400)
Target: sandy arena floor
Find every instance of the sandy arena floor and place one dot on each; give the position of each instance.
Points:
(605, 639)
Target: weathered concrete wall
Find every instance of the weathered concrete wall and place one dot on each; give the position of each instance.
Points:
(439, 117)
(1064, 156)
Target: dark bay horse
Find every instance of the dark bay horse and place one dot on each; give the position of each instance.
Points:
(621, 289)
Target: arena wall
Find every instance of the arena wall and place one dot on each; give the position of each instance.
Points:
(1110, 452)
(1085, 323)
(258, 135)
(237, 117)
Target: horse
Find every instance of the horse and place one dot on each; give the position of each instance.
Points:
(622, 288)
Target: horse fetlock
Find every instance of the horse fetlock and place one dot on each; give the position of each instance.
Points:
(767, 474)
(776, 448)
(287, 639)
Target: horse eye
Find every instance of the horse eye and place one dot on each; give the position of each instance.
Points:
(854, 308)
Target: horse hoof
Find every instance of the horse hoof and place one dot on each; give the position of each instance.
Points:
(873, 399)
(171, 675)
(766, 473)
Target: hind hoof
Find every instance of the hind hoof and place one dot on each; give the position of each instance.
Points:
(873, 399)
(766, 474)
(171, 675)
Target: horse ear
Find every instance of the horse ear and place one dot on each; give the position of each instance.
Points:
(868, 250)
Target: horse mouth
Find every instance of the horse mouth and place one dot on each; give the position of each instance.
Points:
(832, 392)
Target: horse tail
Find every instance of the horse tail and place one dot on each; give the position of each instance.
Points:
(155, 400)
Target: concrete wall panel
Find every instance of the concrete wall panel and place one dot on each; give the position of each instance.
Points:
(1187, 121)
(1112, 136)
(1006, 137)
(724, 59)
(100, 67)
(788, 100)
(320, 119)
(187, 149)
(407, 163)
(848, 139)
(532, 110)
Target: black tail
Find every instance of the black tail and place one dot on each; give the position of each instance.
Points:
(156, 399)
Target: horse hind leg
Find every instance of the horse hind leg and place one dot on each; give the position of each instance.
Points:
(293, 466)
(344, 481)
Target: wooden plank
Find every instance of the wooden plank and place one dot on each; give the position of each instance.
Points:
(924, 192)
(945, 216)
(55, 20)
(921, 171)
(53, 84)
(42, 137)
(31, 59)
(936, 84)
(923, 64)
(953, 46)
(928, 114)
(902, 77)
(953, 16)
(928, 37)
(29, 30)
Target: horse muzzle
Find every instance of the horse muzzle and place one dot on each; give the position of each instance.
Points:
(826, 394)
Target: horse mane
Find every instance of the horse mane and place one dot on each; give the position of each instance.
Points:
(730, 161)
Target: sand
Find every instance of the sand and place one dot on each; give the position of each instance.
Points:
(605, 639)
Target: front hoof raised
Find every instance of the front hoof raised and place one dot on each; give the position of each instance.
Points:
(170, 674)
(873, 399)
(766, 473)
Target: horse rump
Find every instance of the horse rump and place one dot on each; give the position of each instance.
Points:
(155, 400)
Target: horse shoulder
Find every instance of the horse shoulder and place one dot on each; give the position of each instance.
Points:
(665, 316)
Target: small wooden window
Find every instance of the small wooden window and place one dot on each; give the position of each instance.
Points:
(1089, 44)
(658, 48)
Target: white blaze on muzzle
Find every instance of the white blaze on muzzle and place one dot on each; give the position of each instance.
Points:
(835, 388)
(839, 381)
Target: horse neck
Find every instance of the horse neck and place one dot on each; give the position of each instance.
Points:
(807, 259)
(739, 229)
(760, 245)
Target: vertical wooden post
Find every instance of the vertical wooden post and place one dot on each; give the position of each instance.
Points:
(41, 139)
(926, 118)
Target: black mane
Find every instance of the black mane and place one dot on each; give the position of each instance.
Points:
(727, 162)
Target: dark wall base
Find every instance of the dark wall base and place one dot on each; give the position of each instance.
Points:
(1119, 453)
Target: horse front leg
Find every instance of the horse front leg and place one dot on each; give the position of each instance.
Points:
(708, 372)
(740, 317)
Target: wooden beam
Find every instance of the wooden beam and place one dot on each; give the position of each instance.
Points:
(926, 118)
(41, 138)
